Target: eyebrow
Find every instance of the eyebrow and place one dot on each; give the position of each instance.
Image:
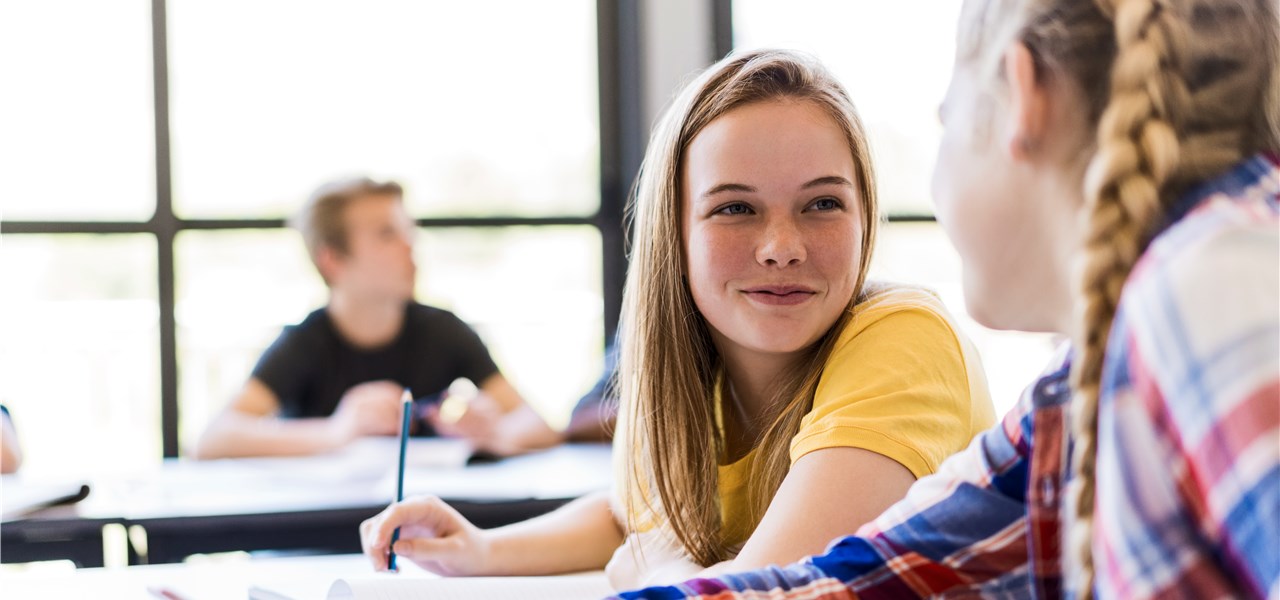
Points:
(828, 180)
(743, 188)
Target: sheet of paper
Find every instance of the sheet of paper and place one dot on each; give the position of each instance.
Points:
(588, 585)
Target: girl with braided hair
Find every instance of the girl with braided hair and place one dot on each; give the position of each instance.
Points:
(1110, 171)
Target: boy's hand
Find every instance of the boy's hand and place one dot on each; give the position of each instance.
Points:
(371, 408)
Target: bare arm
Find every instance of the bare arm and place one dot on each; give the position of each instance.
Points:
(249, 426)
(503, 393)
(10, 451)
(501, 422)
(593, 422)
(579, 536)
(585, 533)
(827, 494)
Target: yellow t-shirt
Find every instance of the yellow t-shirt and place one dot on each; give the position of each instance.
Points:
(901, 381)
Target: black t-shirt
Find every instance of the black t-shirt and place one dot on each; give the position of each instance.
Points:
(310, 366)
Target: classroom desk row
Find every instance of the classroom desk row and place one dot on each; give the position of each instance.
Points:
(312, 504)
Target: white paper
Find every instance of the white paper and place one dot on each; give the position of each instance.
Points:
(589, 585)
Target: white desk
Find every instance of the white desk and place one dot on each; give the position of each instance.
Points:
(189, 507)
(305, 577)
(300, 578)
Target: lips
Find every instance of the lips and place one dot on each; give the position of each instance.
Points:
(780, 295)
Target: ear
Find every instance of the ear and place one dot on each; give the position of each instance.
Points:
(1028, 103)
(329, 263)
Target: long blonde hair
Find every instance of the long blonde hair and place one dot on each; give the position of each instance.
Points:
(1179, 90)
(668, 364)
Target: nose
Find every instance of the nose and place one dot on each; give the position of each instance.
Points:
(407, 237)
(782, 244)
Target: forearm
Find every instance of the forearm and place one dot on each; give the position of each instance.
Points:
(579, 536)
(235, 435)
(963, 515)
(594, 424)
(528, 430)
(10, 454)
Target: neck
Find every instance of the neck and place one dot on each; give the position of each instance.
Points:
(1065, 232)
(366, 322)
(752, 380)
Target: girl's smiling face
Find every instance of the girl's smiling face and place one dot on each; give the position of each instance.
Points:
(772, 225)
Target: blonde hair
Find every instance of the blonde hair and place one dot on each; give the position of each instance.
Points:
(1179, 90)
(322, 219)
(669, 365)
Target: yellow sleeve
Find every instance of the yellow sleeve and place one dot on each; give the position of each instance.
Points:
(897, 384)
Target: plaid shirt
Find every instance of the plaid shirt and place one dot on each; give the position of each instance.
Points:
(1188, 467)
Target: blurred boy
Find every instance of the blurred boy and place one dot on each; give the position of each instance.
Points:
(339, 374)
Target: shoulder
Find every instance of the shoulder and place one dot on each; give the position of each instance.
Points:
(439, 326)
(309, 331)
(296, 350)
(1229, 231)
(895, 310)
(423, 314)
(1204, 295)
(1214, 274)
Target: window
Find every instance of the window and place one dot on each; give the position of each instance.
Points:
(80, 360)
(119, 289)
(895, 59)
(421, 92)
(78, 140)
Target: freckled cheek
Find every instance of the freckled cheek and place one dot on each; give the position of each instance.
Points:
(836, 252)
(714, 259)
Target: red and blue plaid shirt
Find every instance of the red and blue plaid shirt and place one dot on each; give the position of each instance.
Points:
(1188, 467)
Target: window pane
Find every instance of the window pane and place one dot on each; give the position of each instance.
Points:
(534, 296)
(532, 293)
(897, 98)
(80, 366)
(476, 115)
(77, 125)
(920, 253)
(235, 291)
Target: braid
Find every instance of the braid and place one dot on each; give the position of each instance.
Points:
(1137, 152)
(1179, 90)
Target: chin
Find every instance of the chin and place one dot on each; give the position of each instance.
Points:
(984, 309)
(782, 342)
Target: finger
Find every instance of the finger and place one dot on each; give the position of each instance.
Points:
(441, 426)
(377, 558)
(427, 512)
(480, 419)
(434, 554)
(387, 385)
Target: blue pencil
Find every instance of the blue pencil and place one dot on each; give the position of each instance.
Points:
(406, 409)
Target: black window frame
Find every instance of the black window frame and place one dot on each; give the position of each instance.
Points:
(622, 139)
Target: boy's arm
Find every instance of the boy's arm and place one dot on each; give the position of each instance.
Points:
(249, 427)
(515, 426)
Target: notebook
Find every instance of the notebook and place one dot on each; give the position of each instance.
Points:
(585, 585)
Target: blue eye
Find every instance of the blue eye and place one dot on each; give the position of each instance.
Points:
(826, 204)
(735, 209)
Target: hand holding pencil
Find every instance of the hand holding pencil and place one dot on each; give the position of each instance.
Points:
(432, 535)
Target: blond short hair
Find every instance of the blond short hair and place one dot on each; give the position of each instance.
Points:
(321, 220)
